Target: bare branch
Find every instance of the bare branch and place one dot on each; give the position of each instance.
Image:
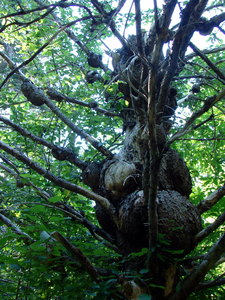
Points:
(205, 232)
(209, 102)
(210, 51)
(92, 105)
(220, 261)
(209, 284)
(10, 164)
(204, 122)
(76, 252)
(207, 61)
(12, 65)
(211, 200)
(20, 181)
(95, 143)
(209, 260)
(16, 229)
(60, 182)
(63, 151)
(218, 138)
(150, 176)
(109, 19)
(25, 24)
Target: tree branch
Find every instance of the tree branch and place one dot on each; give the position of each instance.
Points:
(16, 229)
(211, 200)
(26, 62)
(192, 11)
(209, 102)
(92, 105)
(109, 20)
(209, 260)
(95, 143)
(205, 232)
(60, 182)
(96, 231)
(76, 252)
(43, 7)
(10, 164)
(69, 155)
(207, 61)
(12, 65)
(209, 284)
(210, 51)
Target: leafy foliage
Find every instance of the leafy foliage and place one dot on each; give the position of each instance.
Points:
(35, 264)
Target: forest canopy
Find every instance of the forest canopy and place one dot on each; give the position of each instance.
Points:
(112, 141)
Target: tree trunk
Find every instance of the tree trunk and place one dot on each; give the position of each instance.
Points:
(124, 181)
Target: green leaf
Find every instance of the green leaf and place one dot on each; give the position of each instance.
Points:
(144, 297)
(38, 209)
(38, 247)
(4, 240)
(44, 236)
(55, 199)
(144, 271)
(141, 253)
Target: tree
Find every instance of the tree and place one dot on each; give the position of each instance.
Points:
(112, 166)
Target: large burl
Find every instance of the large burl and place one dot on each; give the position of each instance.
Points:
(120, 181)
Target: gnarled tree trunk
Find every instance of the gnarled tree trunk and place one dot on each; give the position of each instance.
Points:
(128, 177)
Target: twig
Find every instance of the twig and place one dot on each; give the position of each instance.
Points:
(25, 24)
(193, 76)
(203, 139)
(203, 122)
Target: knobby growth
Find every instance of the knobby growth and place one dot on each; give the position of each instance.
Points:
(94, 140)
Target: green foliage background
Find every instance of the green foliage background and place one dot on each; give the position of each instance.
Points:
(25, 272)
